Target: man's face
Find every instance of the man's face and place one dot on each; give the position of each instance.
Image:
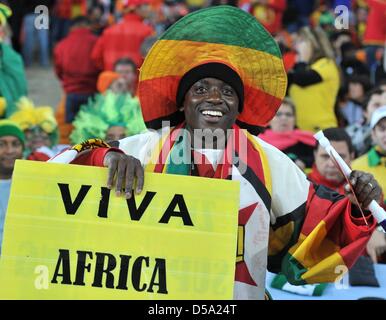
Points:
(144, 11)
(10, 149)
(115, 133)
(284, 120)
(379, 134)
(127, 72)
(355, 91)
(119, 86)
(36, 138)
(325, 165)
(376, 101)
(211, 104)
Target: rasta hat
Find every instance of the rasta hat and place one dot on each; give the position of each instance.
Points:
(196, 45)
(5, 13)
(105, 111)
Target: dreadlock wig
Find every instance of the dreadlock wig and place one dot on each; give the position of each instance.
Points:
(105, 111)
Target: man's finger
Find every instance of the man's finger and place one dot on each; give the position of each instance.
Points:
(362, 183)
(129, 180)
(354, 177)
(112, 168)
(365, 193)
(120, 177)
(140, 178)
(373, 195)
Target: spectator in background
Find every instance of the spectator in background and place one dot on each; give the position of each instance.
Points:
(125, 38)
(64, 12)
(337, 40)
(374, 161)
(314, 81)
(111, 116)
(350, 64)
(13, 83)
(15, 21)
(360, 133)
(40, 130)
(268, 12)
(11, 148)
(169, 12)
(32, 35)
(352, 110)
(127, 69)
(324, 171)
(282, 134)
(110, 80)
(73, 66)
(298, 14)
(95, 16)
(375, 34)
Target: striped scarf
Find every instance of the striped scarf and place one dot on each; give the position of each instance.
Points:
(244, 160)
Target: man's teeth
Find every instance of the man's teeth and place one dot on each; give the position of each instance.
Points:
(212, 113)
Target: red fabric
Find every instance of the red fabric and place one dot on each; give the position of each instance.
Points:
(63, 8)
(317, 178)
(94, 157)
(284, 140)
(270, 16)
(73, 64)
(342, 227)
(38, 156)
(204, 167)
(376, 23)
(289, 60)
(121, 40)
(134, 3)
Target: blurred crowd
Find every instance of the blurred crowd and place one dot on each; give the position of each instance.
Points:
(333, 52)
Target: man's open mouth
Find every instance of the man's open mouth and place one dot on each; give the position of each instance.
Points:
(212, 115)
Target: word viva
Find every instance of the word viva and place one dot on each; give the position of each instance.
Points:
(177, 207)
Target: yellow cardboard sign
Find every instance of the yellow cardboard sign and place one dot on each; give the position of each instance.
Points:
(68, 237)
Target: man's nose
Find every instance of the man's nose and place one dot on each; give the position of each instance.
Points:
(330, 163)
(214, 96)
(9, 149)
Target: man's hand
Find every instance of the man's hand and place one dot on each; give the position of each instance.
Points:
(377, 245)
(365, 187)
(125, 168)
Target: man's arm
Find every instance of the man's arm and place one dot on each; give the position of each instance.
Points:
(313, 229)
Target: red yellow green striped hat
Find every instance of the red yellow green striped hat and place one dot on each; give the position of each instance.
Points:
(221, 34)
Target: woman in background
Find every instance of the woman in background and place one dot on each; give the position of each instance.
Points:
(314, 81)
(283, 134)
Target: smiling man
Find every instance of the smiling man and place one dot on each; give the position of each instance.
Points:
(215, 77)
(11, 148)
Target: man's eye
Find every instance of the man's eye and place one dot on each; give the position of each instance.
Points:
(227, 91)
(200, 90)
